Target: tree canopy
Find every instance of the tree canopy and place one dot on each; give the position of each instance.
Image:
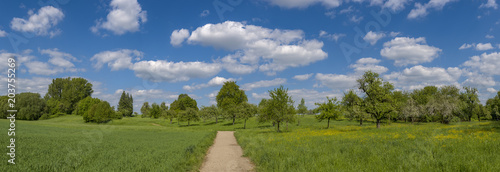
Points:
(279, 108)
(378, 99)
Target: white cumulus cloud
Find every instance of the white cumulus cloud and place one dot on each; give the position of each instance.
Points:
(178, 36)
(40, 23)
(263, 83)
(373, 37)
(255, 47)
(485, 63)
(423, 10)
(124, 16)
(405, 51)
(116, 60)
(303, 77)
(216, 81)
(305, 3)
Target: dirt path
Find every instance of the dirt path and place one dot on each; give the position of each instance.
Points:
(225, 155)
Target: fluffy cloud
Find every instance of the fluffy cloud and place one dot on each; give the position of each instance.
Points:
(466, 46)
(478, 46)
(21, 58)
(395, 5)
(373, 37)
(216, 81)
(178, 36)
(40, 23)
(120, 59)
(303, 77)
(58, 62)
(58, 58)
(263, 83)
(161, 70)
(41, 68)
(156, 71)
(335, 36)
(125, 16)
(490, 4)
(422, 10)
(420, 76)
(335, 81)
(485, 63)
(254, 46)
(368, 64)
(3, 33)
(478, 80)
(483, 47)
(405, 51)
(491, 90)
(305, 3)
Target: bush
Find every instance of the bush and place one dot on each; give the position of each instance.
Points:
(100, 113)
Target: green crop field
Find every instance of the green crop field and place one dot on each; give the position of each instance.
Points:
(143, 144)
(68, 144)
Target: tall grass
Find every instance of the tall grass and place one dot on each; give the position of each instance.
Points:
(68, 144)
(395, 147)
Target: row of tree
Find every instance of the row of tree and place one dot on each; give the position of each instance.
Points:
(66, 96)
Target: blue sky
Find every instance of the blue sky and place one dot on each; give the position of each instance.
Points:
(316, 48)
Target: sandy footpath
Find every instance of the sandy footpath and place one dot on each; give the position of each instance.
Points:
(225, 155)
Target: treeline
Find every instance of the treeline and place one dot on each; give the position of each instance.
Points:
(379, 102)
(67, 96)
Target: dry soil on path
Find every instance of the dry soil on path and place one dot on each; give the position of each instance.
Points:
(226, 155)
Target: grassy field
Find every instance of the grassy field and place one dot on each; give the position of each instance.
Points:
(134, 144)
(142, 144)
(395, 147)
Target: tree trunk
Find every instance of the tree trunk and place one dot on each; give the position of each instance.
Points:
(278, 126)
(361, 122)
(298, 121)
(378, 123)
(188, 122)
(245, 125)
(286, 126)
(170, 120)
(478, 117)
(234, 119)
(216, 120)
(328, 125)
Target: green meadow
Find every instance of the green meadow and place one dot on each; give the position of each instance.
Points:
(143, 144)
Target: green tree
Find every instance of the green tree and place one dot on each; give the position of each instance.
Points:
(246, 111)
(352, 105)
(210, 112)
(155, 111)
(30, 106)
(100, 113)
(84, 105)
(411, 110)
(68, 92)
(170, 114)
(184, 102)
(330, 110)
(145, 110)
(279, 108)
(471, 101)
(126, 104)
(190, 114)
(301, 109)
(378, 99)
(230, 96)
